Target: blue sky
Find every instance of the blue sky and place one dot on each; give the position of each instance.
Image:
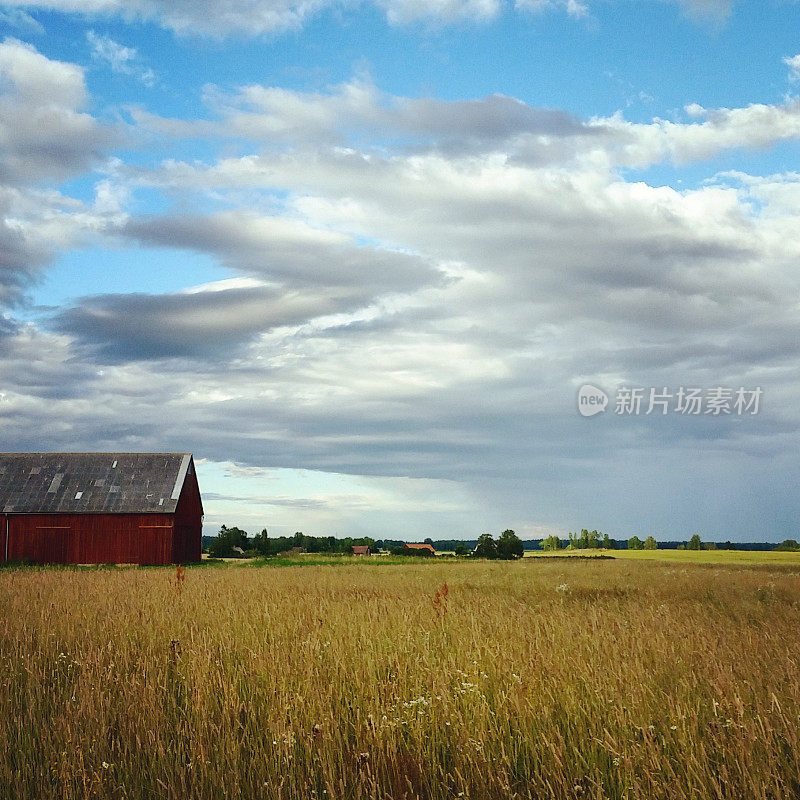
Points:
(360, 257)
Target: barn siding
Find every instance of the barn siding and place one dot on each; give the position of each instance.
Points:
(188, 522)
(90, 538)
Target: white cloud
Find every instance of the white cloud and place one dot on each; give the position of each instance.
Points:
(258, 17)
(21, 20)
(756, 126)
(45, 137)
(350, 113)
(121, 59)
(704, 9)
(573, 7)
(794, 67)
(404, 11)
(44, 133)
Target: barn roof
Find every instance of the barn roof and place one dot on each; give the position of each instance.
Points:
(415, 546)
(92, 483)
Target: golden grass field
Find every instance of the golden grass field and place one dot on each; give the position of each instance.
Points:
(744, 557)
(361, 679)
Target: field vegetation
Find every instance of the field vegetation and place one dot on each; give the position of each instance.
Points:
(448, 678)
(721, 557)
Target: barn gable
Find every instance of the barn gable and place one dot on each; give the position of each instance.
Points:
(92, 483)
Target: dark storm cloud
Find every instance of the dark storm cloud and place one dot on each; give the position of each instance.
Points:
(286, 251)
(204, 323)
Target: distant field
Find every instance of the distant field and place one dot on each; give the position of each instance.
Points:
(687, 556)
(643, 680)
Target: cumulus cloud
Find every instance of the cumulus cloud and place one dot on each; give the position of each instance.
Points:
(44, 134)
(22, 253)
(755, 126)
(45, 137)
(271, 113)
(359, 117)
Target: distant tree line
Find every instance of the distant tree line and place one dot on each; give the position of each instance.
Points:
(594, 540)
(234, 542)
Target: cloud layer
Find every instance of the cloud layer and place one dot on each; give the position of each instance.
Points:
(416, 288)
(258, 17)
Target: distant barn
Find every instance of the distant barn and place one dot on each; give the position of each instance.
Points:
(99, 508)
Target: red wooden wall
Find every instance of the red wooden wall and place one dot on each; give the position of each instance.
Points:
(188, 522)
(88, 538)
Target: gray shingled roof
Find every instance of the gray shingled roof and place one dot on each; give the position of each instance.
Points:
(92, 483)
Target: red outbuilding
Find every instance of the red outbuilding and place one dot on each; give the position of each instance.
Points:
(99, 508)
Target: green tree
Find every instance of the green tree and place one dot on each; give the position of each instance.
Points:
(461, 549)
(607, 543)
(261, 542)
(573, 540)
(650, 543)
(509, 545)
(551, 543)
(694, 543)
(635, 543)
(586, 539)
(226, 540)
(486, 547)
(789, 545)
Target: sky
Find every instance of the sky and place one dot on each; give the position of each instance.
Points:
(364, 259)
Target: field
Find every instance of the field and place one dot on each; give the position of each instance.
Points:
(742, 557)
(532, 679)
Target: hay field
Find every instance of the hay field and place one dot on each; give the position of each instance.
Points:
(741, 557)
(532, 679)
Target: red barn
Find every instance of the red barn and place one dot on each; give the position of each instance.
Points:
(99, 508)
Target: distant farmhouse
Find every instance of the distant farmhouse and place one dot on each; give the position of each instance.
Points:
(360, 549)
(420, 549)
(99, 508)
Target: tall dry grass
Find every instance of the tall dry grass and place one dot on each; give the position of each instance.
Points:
(533, 680)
